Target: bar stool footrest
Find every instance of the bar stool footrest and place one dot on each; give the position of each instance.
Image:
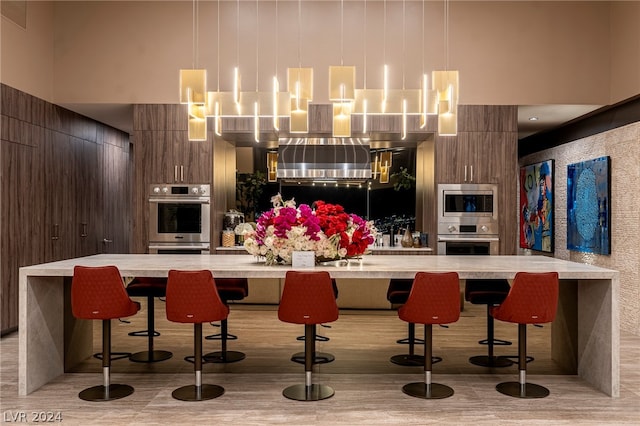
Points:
(412, 360)
(226, 357)
(114, 355)
(318, 357)
(148, 357)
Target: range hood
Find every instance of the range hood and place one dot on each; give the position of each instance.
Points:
(323, 158)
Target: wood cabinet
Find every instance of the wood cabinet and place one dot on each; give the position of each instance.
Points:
(63, 175)
(485, 151)
(163, 154)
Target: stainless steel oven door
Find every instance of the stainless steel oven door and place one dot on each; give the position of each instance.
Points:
(468, 245)
(179, 220)
(169, 248)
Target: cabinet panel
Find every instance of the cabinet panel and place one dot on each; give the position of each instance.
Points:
(114, 235)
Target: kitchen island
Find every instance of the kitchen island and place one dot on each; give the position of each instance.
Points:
(585, 335)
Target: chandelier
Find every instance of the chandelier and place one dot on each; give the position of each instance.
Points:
(440, 98)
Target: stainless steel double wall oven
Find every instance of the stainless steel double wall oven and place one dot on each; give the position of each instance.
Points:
(179, 219)
(468, 219)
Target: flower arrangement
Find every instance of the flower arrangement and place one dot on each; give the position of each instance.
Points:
(328, 231)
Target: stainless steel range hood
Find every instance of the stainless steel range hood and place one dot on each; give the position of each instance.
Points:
(323, 158)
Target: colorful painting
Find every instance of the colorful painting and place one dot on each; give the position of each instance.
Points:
(588, 204)
(536, 206)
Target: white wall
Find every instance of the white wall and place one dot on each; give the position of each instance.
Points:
(623, 146)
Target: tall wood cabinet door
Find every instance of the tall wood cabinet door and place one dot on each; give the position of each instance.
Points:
(451, 159)
(116, 219)
(19, 223)
(161, 156)
(60, 184)
(197, 160)
(485, 157)
(88, 225)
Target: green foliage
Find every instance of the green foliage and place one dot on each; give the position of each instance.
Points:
(249, 188)
(403, 180)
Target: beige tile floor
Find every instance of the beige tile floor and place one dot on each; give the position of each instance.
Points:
(367, 386)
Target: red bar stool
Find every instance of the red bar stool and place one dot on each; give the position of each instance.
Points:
(192, 298)
(318, 357)
(308, 299)
(228, 289)
(149, 287)
(490, 293)
(533, 299)
(98, 293)
(434, 299)
(397, 294)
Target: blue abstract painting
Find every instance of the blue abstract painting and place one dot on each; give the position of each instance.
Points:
(536, 206)
(588, 206)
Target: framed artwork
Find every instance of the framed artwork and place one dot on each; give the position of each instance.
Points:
(536, 206)
(588, 205)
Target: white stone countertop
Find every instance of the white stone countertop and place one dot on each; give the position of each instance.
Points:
(377, 266)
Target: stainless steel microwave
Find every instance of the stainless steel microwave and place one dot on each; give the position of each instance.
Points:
(472, 206)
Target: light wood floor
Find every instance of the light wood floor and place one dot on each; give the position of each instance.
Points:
(367, 386)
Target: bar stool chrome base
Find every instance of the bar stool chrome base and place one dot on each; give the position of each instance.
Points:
(197, 393)
(318, 357)
(150, 356)
(105, 393)
(315, 392)
(224, 357)
(522, 390)
(427, 391)
(493, 361)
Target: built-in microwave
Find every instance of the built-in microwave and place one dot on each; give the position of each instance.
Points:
(469, 210)
(179, 214)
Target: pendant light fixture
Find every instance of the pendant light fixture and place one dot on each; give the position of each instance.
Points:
(300, 86)
(446, 85)
(427, 95)
(213, 107)
(256, 110)
(342, 84)
(193, 88)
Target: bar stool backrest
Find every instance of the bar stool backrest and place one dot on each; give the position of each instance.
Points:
(533, 299)
(192, 298)
(434, 299)
(98, 293)
(308, 298)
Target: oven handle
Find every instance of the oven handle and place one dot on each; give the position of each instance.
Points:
(178, 247)
(467, 239)
(179, 200)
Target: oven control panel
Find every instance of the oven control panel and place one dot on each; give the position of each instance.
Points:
(179, 191)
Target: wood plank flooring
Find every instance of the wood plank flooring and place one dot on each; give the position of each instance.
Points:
(367, 386)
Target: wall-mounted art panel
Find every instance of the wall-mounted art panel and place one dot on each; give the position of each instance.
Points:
(588, 204)
(536, 206)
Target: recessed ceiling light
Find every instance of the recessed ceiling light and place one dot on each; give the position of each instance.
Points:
(533, 118)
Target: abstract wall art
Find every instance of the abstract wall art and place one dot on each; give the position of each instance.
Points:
(536, 206)
(588, 206)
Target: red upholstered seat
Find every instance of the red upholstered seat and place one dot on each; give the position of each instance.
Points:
(147, 286)
(434, 299)
(533, 299)
(308, 298)
(99, 293)
(192, 297)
